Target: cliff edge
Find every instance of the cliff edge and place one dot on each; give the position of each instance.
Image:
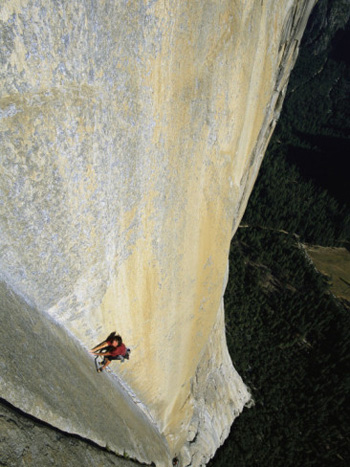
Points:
(132, 135)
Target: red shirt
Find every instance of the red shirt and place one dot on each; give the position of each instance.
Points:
(120, 350)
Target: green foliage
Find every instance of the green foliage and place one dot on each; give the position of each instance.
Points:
(288, 338)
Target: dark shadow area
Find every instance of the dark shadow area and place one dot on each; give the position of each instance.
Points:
(326, 163)
(341, 46)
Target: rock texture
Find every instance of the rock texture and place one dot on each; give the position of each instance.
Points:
(25, 441)
(132, 134)
(48, 374)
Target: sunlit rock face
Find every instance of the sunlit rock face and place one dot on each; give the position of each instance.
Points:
(131, 136)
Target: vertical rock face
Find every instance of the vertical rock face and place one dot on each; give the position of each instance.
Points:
(131, 136)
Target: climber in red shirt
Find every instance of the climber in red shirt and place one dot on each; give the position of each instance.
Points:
(115, 350)
(106, 344)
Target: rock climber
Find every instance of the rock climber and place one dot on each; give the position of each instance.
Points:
(114, 350)
(108, 342)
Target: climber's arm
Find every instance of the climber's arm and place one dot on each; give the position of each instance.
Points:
(99, 347)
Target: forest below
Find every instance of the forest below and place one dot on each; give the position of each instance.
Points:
(287, 334)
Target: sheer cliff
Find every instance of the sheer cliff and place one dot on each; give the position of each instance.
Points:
(131, 137)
